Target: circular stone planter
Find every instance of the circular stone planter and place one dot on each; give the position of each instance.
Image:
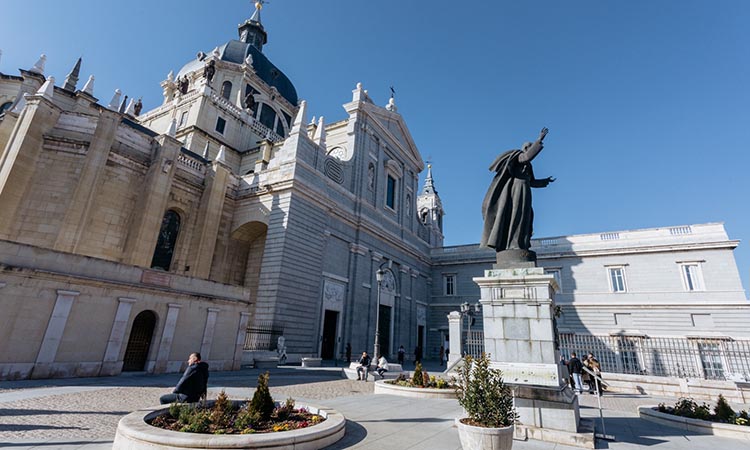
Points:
(650, 413)
(479, 438)
(383, 387)
(134, 433)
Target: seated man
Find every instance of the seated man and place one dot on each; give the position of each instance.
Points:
(382, 366)
(193, 384)
(364, 366)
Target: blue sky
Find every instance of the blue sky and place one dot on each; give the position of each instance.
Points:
(647, 102)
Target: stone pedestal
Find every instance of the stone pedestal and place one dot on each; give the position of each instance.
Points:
(520, 337)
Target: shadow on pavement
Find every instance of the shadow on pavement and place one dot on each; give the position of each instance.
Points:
(355, 433)
(47, 412)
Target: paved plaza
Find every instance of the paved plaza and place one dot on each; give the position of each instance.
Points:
(83, 413)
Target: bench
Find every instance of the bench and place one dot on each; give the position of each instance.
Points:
(266, 362)
(312, 362)
(394, 370)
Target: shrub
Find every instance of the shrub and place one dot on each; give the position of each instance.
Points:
(283, 411)
(687, 407)
(221, 412)
(483, 394)
(722, 410)
(417, 379)
(262, 402)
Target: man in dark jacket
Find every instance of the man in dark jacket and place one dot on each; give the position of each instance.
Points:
(575, 367)
(193, 384)
(364, 366)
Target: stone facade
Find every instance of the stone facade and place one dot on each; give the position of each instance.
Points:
(224, 208)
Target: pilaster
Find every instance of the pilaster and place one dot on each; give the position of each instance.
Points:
(110, 363)
(167, 335)
(239, 344)
(79, 209)
(208, 333)
(144, 230)
(209, 218)
(19, 159)
(54, 333)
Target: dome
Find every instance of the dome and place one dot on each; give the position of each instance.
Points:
(236, 51)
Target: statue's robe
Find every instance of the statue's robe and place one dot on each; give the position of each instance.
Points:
(506, 209)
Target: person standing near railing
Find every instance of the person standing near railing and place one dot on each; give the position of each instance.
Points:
(593, 365)
(575, 367)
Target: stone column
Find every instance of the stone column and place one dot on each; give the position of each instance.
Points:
(454, 331)
(110, 363)
(79, 209)
(208, 333)
(144, 231)
(165, 345)
(239, 344)
(53, 335)
(18, 160)
(209, 217)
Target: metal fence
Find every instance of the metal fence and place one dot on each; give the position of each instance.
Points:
(262, 336)
(473, 343)
(712, 359)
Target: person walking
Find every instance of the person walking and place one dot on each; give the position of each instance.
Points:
(348, 352)
(442, 354)
(401, 354)
(192, 386)
(575, 367)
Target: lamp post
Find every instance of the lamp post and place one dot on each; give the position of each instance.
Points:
(379, 275)
(469, 311)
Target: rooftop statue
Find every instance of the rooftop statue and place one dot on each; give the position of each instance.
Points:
(508, 216)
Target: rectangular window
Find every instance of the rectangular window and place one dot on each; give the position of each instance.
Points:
(710, 353)
(617, 279)
(220, 125)
(692, 277)
(390, 195)
(557, 273)
(449, 283)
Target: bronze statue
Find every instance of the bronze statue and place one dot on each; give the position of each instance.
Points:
(138, 107)
(209, 71)
(508, 216)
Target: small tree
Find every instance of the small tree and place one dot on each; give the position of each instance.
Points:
(417, 379)
(724, 412)
(481, 391)
(262, 402)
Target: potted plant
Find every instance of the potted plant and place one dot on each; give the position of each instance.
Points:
(488, 403)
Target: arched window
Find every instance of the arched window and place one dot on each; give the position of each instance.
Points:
(226, 89)
(5, 107)
(170, 227)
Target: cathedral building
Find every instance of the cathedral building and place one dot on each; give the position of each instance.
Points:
(225, 218)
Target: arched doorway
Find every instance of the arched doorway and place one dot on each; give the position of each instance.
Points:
(139, 342)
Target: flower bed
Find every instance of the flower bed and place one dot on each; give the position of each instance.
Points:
(689, 415)
(420, 385)
(422, 380)
(258, 423)
(723, 413)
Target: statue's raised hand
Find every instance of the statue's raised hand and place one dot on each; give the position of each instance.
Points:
(543, 133)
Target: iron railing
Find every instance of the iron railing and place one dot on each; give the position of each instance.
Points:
(713, 359)
(708, 358)
(262, 336)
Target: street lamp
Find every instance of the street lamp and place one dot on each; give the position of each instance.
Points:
(379, 275)
(469, 311)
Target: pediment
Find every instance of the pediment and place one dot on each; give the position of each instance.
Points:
(395, 128)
